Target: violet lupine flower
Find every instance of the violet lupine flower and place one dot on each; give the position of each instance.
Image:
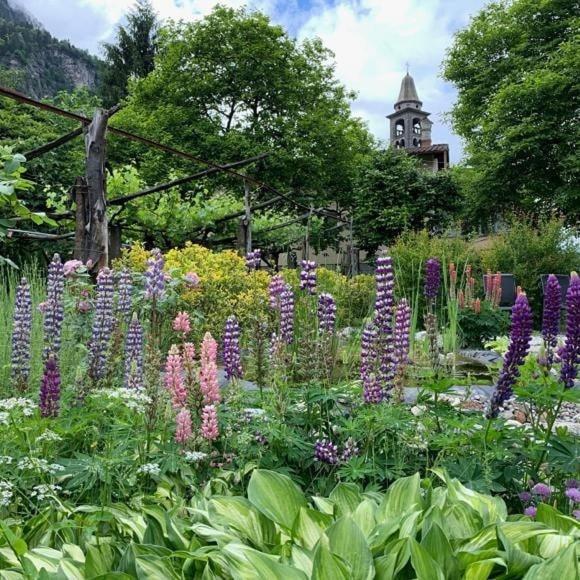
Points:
(308, 276)
(134, 355)
(174, 378)
(372, 390)
(232, 358)
(520, 337)
(154, 277)
(401, 333)
(208, 374)
(254, 259)
(432, 278)
(531, 511)
(551, 317)
(102, 324)
(325, 451)
(53, 307)
(350, 450)
(209, 423)
(287, 315)
(124, 299)
(49, 400)
(275, 290)
(183, 427)
(384, 310)
(21, 329)
(570, 352)
(573, 494)
(326, 313)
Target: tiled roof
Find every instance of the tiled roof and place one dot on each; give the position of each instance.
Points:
(436, 148)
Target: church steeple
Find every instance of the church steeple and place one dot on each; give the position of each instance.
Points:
(408, 92)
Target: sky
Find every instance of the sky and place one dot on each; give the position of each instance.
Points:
(373, 41)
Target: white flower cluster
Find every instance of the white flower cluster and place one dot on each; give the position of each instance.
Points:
(27, 406)
(4, 418)
(6, 459)
(33, 463)
(6, 493)
(195, 456)
(48, 435)
(44, 490)
(150, 469)
(133, 399)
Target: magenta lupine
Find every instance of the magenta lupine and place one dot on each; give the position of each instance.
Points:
(275, 290)
(173, 379)
(254, 259)
(570, 352)
(519, 345)
(372, 390)
(326, 313)
(325, 451)
(183, 427)
(401, 333)
(231, 352)
(287, 315)
(53, 307)
(134, 355)
(308, 276)
(21, 330)
(124, 295)
(432, 278)
(209, 423)
(154, 277)
(551, 316)
(208, 374)
(103, 322)
(49, 399)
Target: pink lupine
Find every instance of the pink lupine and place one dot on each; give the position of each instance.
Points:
(189, 353)
(209, 423)
(181, 323)
(174, 378)
(208, 375)
(183, 430)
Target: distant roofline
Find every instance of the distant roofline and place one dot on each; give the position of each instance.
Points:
(394, 114)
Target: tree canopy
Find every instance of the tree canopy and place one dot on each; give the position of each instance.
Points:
(516, 70)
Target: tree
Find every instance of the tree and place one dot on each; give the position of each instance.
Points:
(394, 193)
(516, 70)
(132, 56)
(233, 85)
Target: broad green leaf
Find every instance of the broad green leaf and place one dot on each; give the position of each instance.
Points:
(99, 560)
(302, 559)
(214, 535)
(74, 553)
(154, 567)
(328, 566)
(426, 568)
(439, 548)
(461, 521)
(326, 506)
(409, 525)
(41, 558)
(276, 496)
(552, 544)
(364, 516)
(346, 540)
(309, 526)
(554, 519)
(482, 569)
(517, 560)
(383, 533)
(70, 570)
(395, 559)
(401, 497)
(560, 567)
(346, 497)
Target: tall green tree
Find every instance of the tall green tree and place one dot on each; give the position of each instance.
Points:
(394, 193)
(516, 70)
(132, 54)
(233, 85)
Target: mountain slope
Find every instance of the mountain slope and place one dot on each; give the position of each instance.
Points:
(36, 63)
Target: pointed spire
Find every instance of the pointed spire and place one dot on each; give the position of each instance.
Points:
(408, 91)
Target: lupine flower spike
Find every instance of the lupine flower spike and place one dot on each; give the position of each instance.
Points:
(570, 352)
(551, 317)
(174, 378)
(102, 325)
(208, 377)
(209, 423)
(183, 430)
(432, 278)
(53, 307)
(154, 277)
(232, 357)
(49, 399)
(520, 337)
(308, 276)
(401, 333)
(275, 290)
(287, 315)
(326, 313)
(124, 295)
(384, 310)
(134, 355)
(21, 329)
(182, 323)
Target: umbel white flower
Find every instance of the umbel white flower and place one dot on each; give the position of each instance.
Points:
(6, 493)
(27, 406)
(42, 465)
(195, 456)
(133, 399)
(149, 469)
(48, 435)
(44, 490)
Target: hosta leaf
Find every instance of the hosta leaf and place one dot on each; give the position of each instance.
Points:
(326, 506)
(276, 496)
(346, 540)
(154, 567)
(302, 559)
(554, 519)
(364, 516)
(564, 565)
(553, 544)
(461, 521)
(70, 570)
(328, 566)
(395, 559)
(425, 567)
(482, 569)
(383, 533)
(346, 497)
(99, 560)
(439, 548)
(73, 552)
(41, 558)
(309, 526)
(401, 497)
(214, 535)
(518, 561)
(409, 525)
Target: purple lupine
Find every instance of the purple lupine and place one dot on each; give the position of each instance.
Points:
(21, 329)
(308, 276)
(275, 289)
(350, 450)
(401, 333)
(254, 259)
(570, 352)
(232, 358)
(287, 315)
(325, 451)
(124, 298)
(384, 310)
(134, 355)
(520, 337)
(372, 391)
(326, 313)
(154, 277)
(551, 317)
(432, 278)
(49, 400)
(103, 322)
(53, 307)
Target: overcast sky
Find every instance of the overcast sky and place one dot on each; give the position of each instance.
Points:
(372, 40)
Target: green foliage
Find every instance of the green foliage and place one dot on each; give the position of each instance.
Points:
(393, 194)
(477, 328)
(515, 70)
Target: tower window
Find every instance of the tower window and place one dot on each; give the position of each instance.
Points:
(402, 143)
(415, 143)
(416, 126)
(400, 127)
